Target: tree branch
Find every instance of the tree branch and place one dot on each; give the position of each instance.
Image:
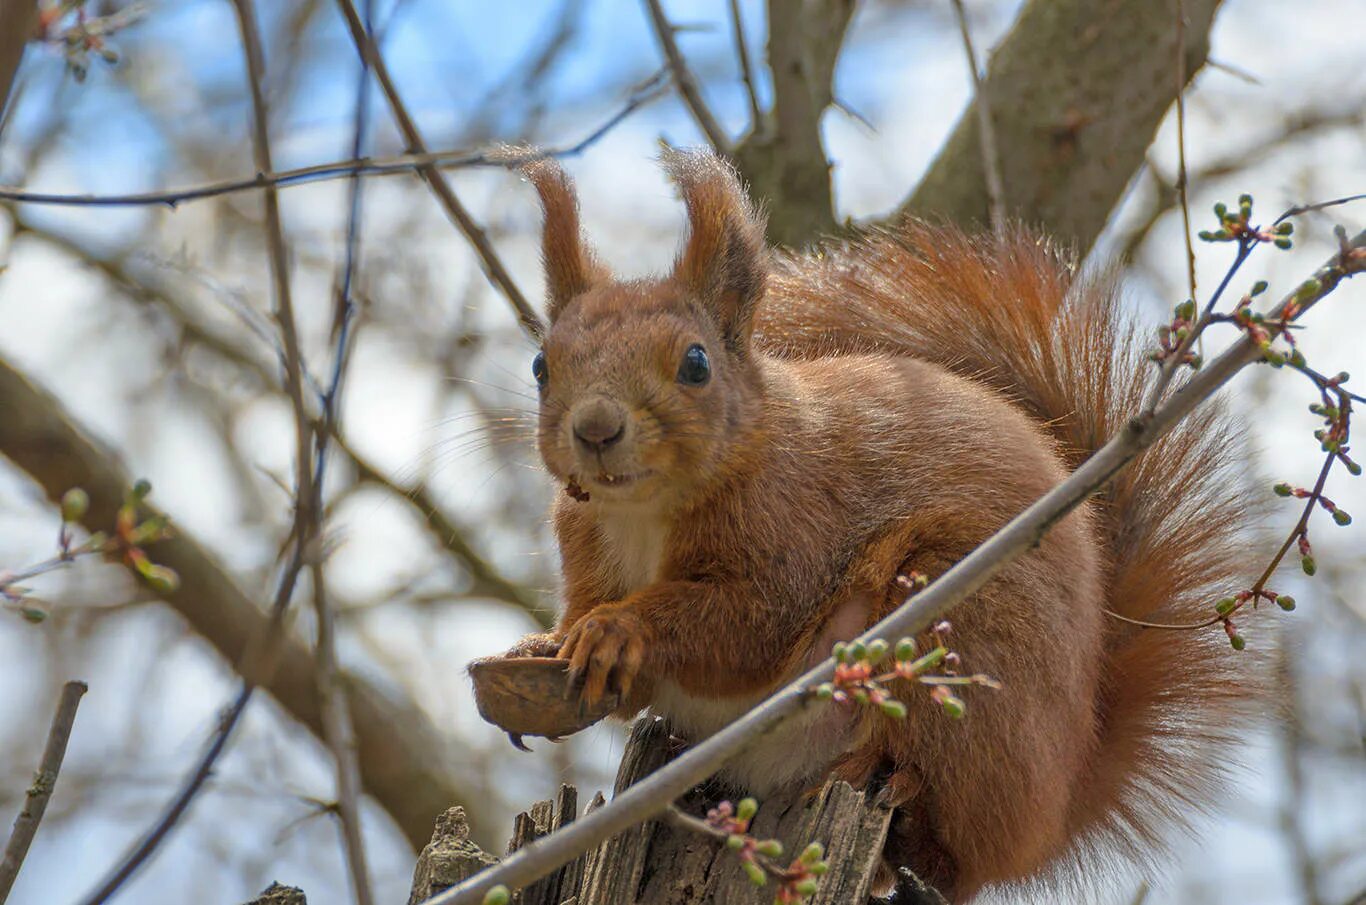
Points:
(646, 92)
(653, 795)
(493, 266)
(1078, 90)
(35, 801)
(685, 80)
(403, 760)
(18, 19)
(784, 160)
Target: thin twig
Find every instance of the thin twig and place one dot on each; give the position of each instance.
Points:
(493, 266)
(1181, 179)
(341, 169)
(991, 158)
(737, 25)
(44, 781)
(653, 794)
(301, 531)
(686, 81)
(338, 731)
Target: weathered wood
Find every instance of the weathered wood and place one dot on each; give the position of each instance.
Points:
(279, 894)
(663, 864)
(448, 859)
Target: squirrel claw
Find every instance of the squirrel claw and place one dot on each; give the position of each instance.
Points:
(516, 739)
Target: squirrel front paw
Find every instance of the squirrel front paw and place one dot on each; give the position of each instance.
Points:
(605, 649)
(541, 644)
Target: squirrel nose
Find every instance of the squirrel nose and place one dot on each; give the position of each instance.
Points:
(599, 424)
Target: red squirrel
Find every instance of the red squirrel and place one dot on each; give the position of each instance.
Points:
(757, 445)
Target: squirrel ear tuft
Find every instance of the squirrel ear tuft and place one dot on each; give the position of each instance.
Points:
(725, 260)
(570, 268)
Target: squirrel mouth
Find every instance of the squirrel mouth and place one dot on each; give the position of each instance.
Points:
(617, 480)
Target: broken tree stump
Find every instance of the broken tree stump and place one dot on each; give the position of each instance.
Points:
(657, 863)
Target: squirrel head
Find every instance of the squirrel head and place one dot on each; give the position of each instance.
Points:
(649, 388)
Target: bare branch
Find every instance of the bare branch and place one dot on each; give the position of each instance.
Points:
(737, 24)
(18, 19)
(991, 160)
(643, 94)
(1077, 92)
(493, 265)
(784, 160)
(1181, 178)
(686, 81)
(338, 730)
(35, 800)
(652, 795)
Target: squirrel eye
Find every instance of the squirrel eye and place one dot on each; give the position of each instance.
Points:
(539, 370)
(696, 367)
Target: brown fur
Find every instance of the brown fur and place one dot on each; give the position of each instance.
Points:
(879, 406)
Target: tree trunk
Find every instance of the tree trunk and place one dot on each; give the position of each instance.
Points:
(656, 863)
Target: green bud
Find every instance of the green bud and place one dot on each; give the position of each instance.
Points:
(161, 579)
(755, 872)
(1205, 235)
(746, 809)
(498, 895)
(1259, 287)
(75, 504)
(858, 651)
(905, 650)
(770, 847)
(841, 652)
(1226, 606)
(735, 842)
(33, 614)
(877, 649)
(1274, 358)
(1283, 243)
(140, 490)
(1308, 565)
(894, 709)
(807, 887)
(1286, 229)
(1283, 489)
(1221, 210)
(825, 691)
(953, 706)
(1285, 602)
(1308, 289)
(819, 868)
(1297, 358)
(1353, 468)
(812, 853)
(1186, 310)
(1341, 517)
(1237, 642)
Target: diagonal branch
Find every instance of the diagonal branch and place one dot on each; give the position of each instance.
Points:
(488, 258)
(1077, 90)
(653, 795)
(35, 801)
(403, 760)
(686, 80)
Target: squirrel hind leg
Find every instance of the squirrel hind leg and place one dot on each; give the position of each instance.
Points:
(913, 846)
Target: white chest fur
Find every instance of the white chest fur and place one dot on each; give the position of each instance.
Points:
(633, 538)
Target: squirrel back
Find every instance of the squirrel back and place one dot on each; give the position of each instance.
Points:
(758, 448)
(1011, 311)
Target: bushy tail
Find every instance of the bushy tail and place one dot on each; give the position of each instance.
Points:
(1013, 313)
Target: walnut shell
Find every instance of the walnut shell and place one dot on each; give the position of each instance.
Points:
(533, 696)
